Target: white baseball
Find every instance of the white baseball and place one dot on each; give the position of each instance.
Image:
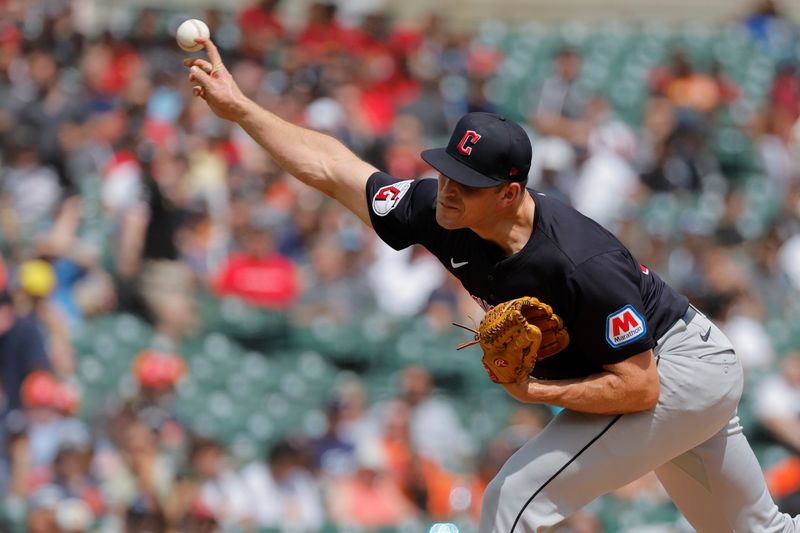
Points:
(188, 31)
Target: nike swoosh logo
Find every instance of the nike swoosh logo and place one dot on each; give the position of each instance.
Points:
(457, 265)
(705, 337)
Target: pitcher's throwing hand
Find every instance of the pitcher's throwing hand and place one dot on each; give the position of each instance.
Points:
(214, 84)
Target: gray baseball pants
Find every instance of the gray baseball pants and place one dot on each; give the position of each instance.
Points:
(691, 439)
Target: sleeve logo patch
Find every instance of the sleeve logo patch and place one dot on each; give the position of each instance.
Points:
(389, 196)
(624, 326)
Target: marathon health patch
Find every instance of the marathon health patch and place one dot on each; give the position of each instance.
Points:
(389, 196)
(624, 326)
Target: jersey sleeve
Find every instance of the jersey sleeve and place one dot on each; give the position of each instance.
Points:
(401, 211)
(610, 315)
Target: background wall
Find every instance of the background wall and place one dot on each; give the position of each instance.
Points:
(468, 13)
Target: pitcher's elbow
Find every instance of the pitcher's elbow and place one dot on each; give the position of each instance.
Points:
(651, 394)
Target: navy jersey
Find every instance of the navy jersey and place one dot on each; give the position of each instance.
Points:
(612, 306)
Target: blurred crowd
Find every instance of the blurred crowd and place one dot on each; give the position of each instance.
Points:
(122, 193)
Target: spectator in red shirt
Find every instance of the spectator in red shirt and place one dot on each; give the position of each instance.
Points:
(785, 91)
(258, 274)
(261, 27)
(323, 32)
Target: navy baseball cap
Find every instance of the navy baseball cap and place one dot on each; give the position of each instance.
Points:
(485, 150)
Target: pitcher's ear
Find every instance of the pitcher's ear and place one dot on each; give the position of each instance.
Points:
(511, 192)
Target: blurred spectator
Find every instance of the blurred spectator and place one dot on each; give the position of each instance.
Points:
(339, 292)
(158, 374)
(261, 28)
(73, 515)
(22, 351)
(441, 310)
(728, 232)
(49, 409)
(424, 482)
(41, 511)
(3, 275)
(742, 321)
(554, 169)
(82, 286)
(403, 146)
(222, 490)
(524, 423)
(763, 18)
(488, 463)
(682, 160)
(149, 255)
(36, 281)
(368, 498)
(731, 301)
(44, 102)
(136, 476)
(685, 87)
(74, 476)
(784, 94)
(729, 90)
(436, 431)
(282, 492)
(783, 481)
(607, 185)
(788, 257)
(769, 280)
(332, 453)
(185, 511)
(402, 282)
(256, 273)
(560, 109)
(658, 122)
(323, 33)
(777, 403)
(775, 140)
(428, 107)
(477, 98)
(347, 426)
(33, 436)
(328, 115)
(28, 186)
(355, 425)
(144, 516)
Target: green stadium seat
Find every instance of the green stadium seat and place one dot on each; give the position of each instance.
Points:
(492, 33)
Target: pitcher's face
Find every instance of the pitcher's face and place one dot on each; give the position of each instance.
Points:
(459, 206)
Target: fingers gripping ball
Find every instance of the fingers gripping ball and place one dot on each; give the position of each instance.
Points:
(188, 31)
(514, 334)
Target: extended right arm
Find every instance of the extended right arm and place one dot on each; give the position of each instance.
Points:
(314, 158)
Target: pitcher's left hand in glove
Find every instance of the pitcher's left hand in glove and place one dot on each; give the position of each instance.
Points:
(514, 334)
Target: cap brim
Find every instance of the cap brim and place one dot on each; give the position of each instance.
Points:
(457, 171)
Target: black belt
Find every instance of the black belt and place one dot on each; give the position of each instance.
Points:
(690, 313)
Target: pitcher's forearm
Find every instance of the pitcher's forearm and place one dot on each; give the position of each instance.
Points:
(316, 159)
(626, 387)
(303, 153)
(603, 393)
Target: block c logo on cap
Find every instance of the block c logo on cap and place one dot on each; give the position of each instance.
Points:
(471, 137)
